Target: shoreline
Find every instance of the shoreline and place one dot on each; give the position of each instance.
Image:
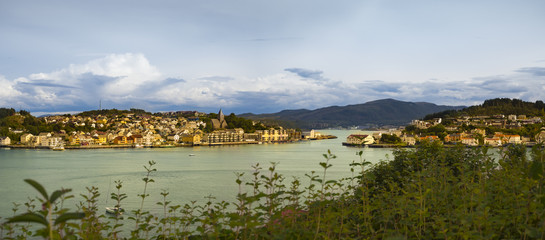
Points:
(414, 146)
(72, 147)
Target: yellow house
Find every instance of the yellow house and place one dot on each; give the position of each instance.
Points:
(74, 140)
(194, 139)
(102, 121)
(101, 139)
(265, 137)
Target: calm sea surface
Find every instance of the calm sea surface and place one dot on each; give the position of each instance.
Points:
(186, 178)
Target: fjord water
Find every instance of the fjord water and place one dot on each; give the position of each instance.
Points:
(209, 172)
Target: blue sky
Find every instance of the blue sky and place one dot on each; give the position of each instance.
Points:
(266, 56)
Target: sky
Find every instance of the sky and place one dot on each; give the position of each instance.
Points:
(63, 56)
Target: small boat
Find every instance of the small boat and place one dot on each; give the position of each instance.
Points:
(191, 155)
(114, 210)
(58, 148)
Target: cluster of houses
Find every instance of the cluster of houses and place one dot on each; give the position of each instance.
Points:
(474, 137)
(149, 130)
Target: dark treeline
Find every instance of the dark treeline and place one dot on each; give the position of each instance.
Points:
(113, 112)
(496, 106)
(21, 120)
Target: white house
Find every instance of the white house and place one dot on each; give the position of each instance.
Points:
(26, 138)
(309, 134)
(51, 141)
(515, 139)
(5, 141)
(469, 141)
(492, 141)
(173, 137)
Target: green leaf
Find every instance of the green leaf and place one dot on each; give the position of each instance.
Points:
(69, 216)
(58, 194)
(28, 217)
(330, 181)
(536, 170)
(38, 187)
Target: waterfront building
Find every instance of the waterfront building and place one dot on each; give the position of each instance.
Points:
(173, 137)
(469, 141)
(495, 141)
(273, 135)
(252, 137)
(5, 141)
(101, 139)
(225, 136)
(309, 134)
(148, 138)
(26, 138)
(120, 140)
(137, 139)
(294, 135)
(193, 139)
(360, 139)
(51, 142)
(377, 136)
(43, 136)
(506, 138)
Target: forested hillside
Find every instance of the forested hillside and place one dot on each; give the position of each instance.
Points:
(505, 106)
(379, 112)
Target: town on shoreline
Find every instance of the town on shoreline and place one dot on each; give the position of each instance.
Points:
(473, 131)
(497, 122)
(142, 130)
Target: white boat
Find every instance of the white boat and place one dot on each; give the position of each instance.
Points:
(114, 210)
(58, 148)
(191, 154)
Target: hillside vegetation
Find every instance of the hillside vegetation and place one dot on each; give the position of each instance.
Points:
(378, 113)
(505, 106)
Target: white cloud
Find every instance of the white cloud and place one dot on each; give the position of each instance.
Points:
(125, 72)
(130, 80)
(7, 92)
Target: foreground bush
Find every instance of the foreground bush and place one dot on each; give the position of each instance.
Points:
(430, 192)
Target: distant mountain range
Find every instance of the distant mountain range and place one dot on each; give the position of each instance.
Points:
(375, 113)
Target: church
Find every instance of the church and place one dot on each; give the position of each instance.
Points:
(220, 122)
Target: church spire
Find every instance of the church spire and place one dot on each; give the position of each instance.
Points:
(221, 117)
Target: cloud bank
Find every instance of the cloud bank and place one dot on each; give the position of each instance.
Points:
(130, 81)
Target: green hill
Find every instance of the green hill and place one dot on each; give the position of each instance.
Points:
(505, 106)
(379, 112)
